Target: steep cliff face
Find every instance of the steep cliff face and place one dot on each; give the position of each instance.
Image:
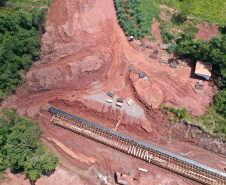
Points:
(76, 47)
(74, 26)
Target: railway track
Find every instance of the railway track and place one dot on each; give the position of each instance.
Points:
(144, 151)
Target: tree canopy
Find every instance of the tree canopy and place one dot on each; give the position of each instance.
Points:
(20, 42)
(20, 149)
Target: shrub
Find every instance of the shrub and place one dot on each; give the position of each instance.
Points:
(191, 30)
(172, 48)
(162, 106)
(179, 18)
(220, 102)
(222, 29)
(167, 36)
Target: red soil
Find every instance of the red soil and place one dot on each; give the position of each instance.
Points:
(84, 51)
(156, 31)
(206, 33)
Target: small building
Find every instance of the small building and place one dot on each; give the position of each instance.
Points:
(203, 69)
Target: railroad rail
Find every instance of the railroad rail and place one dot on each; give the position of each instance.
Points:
(139, 149)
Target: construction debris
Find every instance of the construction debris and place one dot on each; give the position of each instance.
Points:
(163, 62)
(154, 54)
(165, 46)
(199, 85)
(124, 179)
(109, 100)
(121, 178)
(133, 109)
(130, 102)
(164, 58)
(119, 104)
(116, 126)
(141, 75)
(142, 169)
(120, 100)
(110, 94)
(173, 65)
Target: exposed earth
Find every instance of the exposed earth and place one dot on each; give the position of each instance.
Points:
(86, 53)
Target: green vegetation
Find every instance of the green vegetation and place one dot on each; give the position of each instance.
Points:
(20, 42)
(136, 16)
(20, 149)
(2, 2)
(27, 5)
(212, 122)
(4, 11)
(169, 138)
(220, 103)
(180, 113)
(213, 51)
(21, 28)
(213, 10)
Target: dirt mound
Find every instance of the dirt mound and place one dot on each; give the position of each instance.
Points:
(206, 31)
(75, 72)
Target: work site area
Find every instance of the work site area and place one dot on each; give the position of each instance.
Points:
(103, 100)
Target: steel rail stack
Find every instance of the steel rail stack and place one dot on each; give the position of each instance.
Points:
(144, 151)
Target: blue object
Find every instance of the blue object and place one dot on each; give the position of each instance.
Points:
(141, 75)
(120, 100)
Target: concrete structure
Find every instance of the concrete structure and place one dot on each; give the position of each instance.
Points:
(203, 69)
(139, 149)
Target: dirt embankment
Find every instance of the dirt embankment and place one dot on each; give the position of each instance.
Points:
(85, 52)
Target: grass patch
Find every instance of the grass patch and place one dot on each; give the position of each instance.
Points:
(4, 11)
(211, 122)
(2, 177)
(149, 10)
(212, 9)
(28, 4)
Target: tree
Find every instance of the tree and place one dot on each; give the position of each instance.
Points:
(2, 2)
(20, 149)
(220, 102)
